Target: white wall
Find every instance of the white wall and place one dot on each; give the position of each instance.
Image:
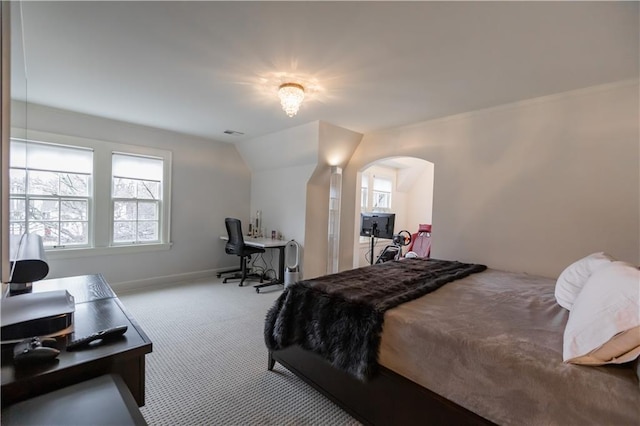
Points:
(281, 196)
(529, 186)
(290, 184)
(335, 146)
(210, 182)
(421, 199)
(281, 164)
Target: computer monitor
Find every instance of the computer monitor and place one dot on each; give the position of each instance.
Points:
(379, 225)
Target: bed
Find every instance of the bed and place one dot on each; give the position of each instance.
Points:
(485, 347)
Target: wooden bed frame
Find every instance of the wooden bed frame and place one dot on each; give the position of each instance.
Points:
(387, 399)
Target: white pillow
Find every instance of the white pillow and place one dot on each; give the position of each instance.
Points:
(572, 279)
(604, 323)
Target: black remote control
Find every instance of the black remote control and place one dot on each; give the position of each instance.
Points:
(103, 335)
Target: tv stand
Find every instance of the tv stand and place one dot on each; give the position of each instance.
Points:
(371, 246)
(372, 237)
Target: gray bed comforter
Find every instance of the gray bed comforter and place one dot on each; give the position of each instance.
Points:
(492, 342)
(340, 316)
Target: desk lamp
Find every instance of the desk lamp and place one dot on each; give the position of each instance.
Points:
(27, 262)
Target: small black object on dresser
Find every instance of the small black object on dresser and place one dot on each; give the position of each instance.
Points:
(102, 335)
(35, 349)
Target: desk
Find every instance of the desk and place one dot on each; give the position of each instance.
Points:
(267, 243)
(97, 308)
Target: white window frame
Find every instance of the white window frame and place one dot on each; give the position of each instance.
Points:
(101, 220)
(370, 192)
(376, 193)
(29, 196)
(159, 203)
(364, 192)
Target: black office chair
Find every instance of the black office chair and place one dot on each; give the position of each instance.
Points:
(236, 246)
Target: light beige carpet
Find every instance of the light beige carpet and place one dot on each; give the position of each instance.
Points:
(209, 361)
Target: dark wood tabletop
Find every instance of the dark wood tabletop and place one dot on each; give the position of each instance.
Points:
(96, 308)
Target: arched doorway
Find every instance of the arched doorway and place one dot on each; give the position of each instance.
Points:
(399, 185)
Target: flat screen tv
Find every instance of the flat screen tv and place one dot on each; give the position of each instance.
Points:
(379, 225)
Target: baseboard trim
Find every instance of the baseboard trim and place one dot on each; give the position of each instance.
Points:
(165, 280)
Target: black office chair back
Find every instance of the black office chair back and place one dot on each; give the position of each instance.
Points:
(235, 245)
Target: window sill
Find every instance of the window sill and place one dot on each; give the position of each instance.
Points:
(71, 253)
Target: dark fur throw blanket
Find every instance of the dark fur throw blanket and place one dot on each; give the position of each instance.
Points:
(340, 316)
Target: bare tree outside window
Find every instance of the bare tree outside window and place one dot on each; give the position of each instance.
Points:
(54, 192)
(48, 195)
(375, 197)
(136, 199)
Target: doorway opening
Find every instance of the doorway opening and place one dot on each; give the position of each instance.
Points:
(399, 185)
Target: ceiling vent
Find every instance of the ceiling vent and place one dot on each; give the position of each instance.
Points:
(233, 132)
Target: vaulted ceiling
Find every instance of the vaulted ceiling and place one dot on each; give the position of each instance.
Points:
(205, 67)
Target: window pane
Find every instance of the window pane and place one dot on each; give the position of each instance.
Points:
(17, 228)
(45, 173)
(124, 210)
(124, 232)
(43, 183)
(47, 230)
(148, 190)
(381, 199)
(147, 231)
(17, 181)
(74, 233)
(124, 188)
(17, 209)
(136, 177)
(74, 184)
(147, 211)
(44, 209)
(73, 210)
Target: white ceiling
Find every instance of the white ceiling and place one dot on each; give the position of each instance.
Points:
(205, 67)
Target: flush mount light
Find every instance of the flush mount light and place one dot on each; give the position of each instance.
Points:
(291, 97)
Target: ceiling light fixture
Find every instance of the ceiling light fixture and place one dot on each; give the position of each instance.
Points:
(291, 96)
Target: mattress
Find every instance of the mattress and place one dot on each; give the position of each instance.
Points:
(492, 343)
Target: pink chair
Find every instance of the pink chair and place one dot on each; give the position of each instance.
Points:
(420, 242)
